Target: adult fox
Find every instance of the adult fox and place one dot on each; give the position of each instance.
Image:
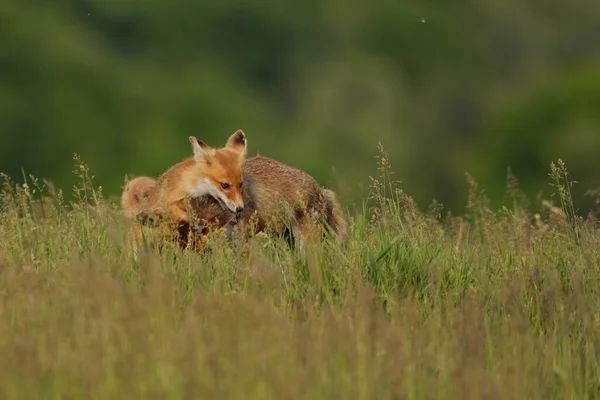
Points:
(285, 200)
(276, 198)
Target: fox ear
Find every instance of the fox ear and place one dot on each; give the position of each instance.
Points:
(201, 149)
(238, 142)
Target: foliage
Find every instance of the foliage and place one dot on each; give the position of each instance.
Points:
(490, 304)
(447, 87)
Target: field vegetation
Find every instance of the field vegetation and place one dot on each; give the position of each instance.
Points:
(422, 304)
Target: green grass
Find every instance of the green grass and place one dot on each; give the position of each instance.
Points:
(502, 304)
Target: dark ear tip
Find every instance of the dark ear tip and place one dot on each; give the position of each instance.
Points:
(193, 139)
(240, 137)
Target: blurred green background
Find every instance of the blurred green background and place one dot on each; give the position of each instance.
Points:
(446, 86)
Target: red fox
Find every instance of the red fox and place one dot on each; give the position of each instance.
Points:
(279, 199)
(210, 172)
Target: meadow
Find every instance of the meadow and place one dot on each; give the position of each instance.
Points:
(494, 304)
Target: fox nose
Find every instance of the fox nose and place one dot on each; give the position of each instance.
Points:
(239, 209)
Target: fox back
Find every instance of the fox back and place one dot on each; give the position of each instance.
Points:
(279, 196)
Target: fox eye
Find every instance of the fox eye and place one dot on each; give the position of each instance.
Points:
(225, 185)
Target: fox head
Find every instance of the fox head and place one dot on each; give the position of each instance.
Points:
(220, 171)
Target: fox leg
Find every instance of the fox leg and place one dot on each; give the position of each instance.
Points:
(307, 233)
(153, 218)
(175, 211)
(175, 215)
(135, 237)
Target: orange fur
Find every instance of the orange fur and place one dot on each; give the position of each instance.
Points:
(216, 173)
(277, 199)
(284, 200)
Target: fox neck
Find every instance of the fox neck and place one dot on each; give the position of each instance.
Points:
(205, 187)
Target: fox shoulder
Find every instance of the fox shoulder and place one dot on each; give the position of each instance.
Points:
(172, 185)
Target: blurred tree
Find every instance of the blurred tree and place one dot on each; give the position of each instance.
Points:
(447, 87)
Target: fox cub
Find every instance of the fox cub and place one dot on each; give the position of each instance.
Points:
(202, 191)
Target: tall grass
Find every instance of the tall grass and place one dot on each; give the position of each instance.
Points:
(492, 304)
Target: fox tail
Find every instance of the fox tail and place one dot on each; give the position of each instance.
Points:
(335, 217)
(135, 194)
